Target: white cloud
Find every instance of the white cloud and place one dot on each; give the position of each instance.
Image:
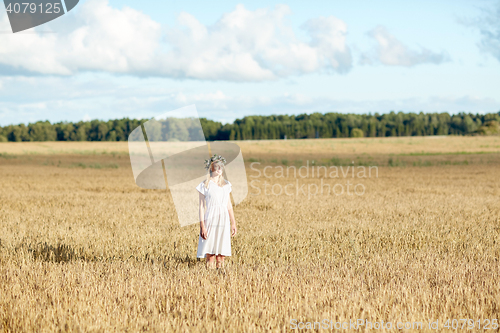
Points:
(106, 97)
(242, 45)
(328, 35)
(99, 38)
(490, 30)
(392, 52)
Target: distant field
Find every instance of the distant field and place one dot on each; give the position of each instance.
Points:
(388, 145)
(82, 248)
(390, 151)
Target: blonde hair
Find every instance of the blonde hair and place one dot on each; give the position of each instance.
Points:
(213, 165)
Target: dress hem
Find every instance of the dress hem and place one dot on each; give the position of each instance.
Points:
(204, 256)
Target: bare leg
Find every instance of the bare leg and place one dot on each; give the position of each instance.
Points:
(210, 260)
(220, 261)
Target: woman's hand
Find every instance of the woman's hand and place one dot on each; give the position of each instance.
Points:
(233, 229)
(203, 232)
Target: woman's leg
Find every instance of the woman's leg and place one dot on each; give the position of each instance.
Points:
(210, 260)
(220, 261)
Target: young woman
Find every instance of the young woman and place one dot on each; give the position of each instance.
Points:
(217, 223)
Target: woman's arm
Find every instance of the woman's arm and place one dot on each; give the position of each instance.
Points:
(231, 217)
(201, 214)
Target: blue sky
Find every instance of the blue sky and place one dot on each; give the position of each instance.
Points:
(114, 59)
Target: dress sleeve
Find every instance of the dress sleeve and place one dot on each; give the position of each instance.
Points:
(230, 186)
(201, 188)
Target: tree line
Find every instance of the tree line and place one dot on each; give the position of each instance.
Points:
(315, 125)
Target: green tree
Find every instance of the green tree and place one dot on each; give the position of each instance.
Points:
(357, 133)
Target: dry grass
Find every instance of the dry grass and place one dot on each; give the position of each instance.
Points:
(388, 145)
(84, 249)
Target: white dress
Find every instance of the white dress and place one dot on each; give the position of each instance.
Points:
(217, 221)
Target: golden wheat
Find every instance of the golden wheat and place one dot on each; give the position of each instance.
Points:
(82, 248)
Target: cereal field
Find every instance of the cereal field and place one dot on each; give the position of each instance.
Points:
(83, 249)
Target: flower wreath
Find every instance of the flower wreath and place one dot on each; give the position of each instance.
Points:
(213, 159)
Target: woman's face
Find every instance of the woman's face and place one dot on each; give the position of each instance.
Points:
(217, 170)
